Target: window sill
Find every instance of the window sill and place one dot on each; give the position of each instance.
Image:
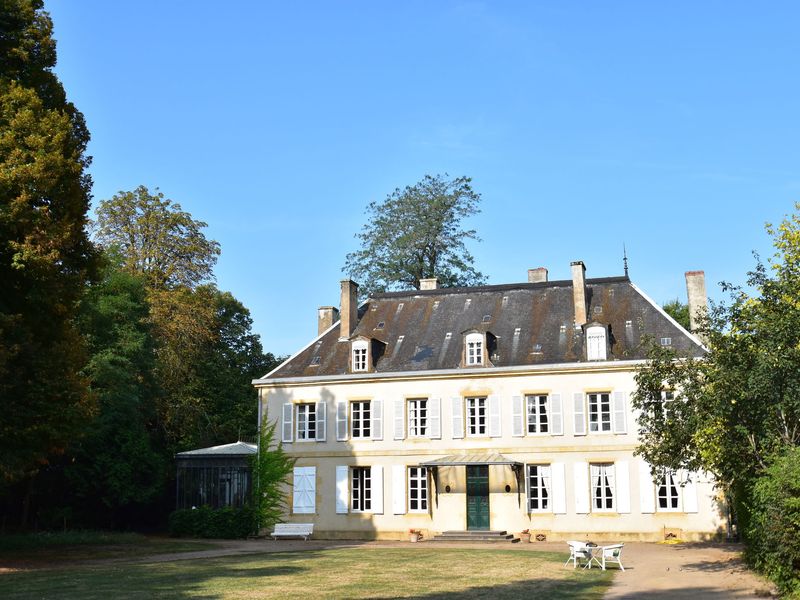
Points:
(604, 513)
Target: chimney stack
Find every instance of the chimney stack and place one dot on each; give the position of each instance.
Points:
(696, 294)
(349, 309)
(579, 291)
(429, 284)
(537, 275)
(326, 316)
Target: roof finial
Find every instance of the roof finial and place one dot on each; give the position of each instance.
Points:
(625, 258)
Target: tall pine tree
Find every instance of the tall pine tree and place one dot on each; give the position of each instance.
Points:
(45, 255)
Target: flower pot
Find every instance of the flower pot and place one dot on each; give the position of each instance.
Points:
(525, 538)
(413, 537)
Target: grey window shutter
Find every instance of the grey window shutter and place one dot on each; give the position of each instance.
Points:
(579, 413)
(619, 412)
(556, 415)
(435, 418)
(457, 412)
(376, 474)
(288, 424)
(517, 417)
(581, 480)
(342, 488)
(559, 487)
(341, 421)
(321, 421)
(377, 419)
(495, 428)
(623, 499)
(647, 498)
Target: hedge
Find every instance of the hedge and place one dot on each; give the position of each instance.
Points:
(207, 522)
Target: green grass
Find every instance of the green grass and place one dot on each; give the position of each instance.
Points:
(48, 547)
(367, 572)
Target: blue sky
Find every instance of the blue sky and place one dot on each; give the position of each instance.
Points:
(670, 127)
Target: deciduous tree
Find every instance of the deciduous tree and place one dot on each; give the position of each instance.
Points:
(417, 233)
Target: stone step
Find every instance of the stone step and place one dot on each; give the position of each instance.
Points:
(475, 536)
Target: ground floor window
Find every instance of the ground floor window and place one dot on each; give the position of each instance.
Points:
(539, 488)
(417, 489)
(361, 499)
(602, 482)
(668, 492)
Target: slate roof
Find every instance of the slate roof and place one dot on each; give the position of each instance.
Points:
(235, 449)
(533, 323)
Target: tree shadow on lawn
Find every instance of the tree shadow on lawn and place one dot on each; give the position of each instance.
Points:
(689, 593)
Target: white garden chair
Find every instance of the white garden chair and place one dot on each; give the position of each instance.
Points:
(578, 551)
(612, 554)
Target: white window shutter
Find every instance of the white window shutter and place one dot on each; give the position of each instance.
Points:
(495, 429)
(341, 421)
(377, 490)
(619, 413)
(399, 419)
(517, 416)
(689, 492)
(647, 497)
(288, 422)
(304, 491)
(342, 488)
(580, 473)
(398, 489)
(435, 418)
(377, 419)
(321, 421)
(579, 413)
(556, 415)
(559, 487)
(623, 474)
(457, 411)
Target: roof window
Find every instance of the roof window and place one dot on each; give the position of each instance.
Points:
(596, 343)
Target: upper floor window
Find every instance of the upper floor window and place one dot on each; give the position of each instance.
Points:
(600, 412)
(596, 343)
(602, 482)
(418, 417)
(474, 349)
(360, 355)
(476, 416)
(538, 421)
(361, 419)
(306, 421)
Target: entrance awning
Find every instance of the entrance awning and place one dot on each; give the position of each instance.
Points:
(459, 460)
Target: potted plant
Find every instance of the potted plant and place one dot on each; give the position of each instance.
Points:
(414, 535)
(525, 536)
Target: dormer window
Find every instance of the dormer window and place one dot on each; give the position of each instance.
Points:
(474, 349)
(596, 343)
(360, 349)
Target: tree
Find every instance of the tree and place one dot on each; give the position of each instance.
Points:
(157, 238)
(416, 233)
(271, 470)
(46, 257)
(680, 312)
(737, 408)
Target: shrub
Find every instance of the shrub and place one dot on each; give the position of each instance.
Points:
(773, 532)
(206, 522)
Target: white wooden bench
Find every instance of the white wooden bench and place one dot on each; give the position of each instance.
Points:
(303, 530)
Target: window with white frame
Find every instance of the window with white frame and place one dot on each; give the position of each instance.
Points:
(539, 488)
(360, 356)
(418, 417)
(476, 416)
(361, 489)
(306, 422)
(596, 343)
(538, 418)
(600, 412)
(417, 489)
(474, 349)
(602, 482)
(361, 419)
(668, 493)
(659, 407)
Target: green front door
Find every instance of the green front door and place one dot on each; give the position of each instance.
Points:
(478, 497)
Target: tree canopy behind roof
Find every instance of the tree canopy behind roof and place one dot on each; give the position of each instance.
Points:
(417, 233)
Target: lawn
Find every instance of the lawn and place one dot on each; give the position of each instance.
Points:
(366, 572)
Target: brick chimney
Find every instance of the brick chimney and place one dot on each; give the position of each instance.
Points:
(429, 284)
(579, 291)
(326, 316)
(696, 294)
(538, 275)
(349, 309)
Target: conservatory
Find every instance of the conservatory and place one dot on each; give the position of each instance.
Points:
(217, 476)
